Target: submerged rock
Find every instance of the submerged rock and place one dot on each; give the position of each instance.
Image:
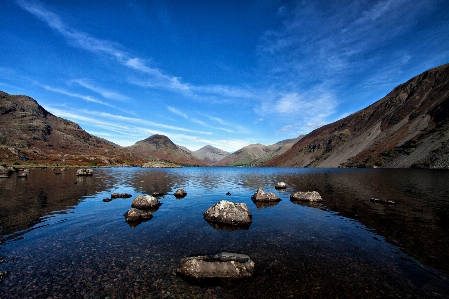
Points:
(220, 265)
(382, 201)
(180, 193)
(306, 196)
(226, 212)
(260, 195)
(136, 215)
(280, 185)
(145, 202)
(120, 195)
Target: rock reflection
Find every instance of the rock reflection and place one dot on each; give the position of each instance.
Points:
(265, 204)
(228, 227)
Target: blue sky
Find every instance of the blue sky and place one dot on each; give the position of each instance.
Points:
(224, 73)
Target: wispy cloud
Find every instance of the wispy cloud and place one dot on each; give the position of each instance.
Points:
(75, 95)
(105, 93)
(156, 78)
(177, 112)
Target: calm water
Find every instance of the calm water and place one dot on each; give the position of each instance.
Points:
(59, 239)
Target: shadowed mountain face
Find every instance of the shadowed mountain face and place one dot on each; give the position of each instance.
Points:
(160, 147)
(210, 155)
(27, 130)
(255, 154)
(407, 128)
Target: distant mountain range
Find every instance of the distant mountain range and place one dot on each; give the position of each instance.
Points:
(256, 154)
(210, 155)
(407, 128)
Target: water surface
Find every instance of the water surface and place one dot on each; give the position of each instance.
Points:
(60, 239)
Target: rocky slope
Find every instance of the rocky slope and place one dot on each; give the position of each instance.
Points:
(407, 128)
(256, 154)
(160, 147)
(28, 131)
(210, 155)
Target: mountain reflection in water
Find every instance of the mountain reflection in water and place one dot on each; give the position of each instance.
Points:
(60, 238)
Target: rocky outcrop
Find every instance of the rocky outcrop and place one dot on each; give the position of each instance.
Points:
(260, 195)
(220, 265)
(229, 213)
(145, 202)
(308, 196)
(180, 193)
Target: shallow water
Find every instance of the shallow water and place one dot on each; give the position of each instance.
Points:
(60, 239)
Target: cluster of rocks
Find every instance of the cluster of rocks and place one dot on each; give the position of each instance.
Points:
(117, 195)
(228, 215)
(142, 208)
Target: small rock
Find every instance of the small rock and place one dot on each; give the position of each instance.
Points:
(260, 195)
(133, 215)
(84, 172)
(306, 196)
(227, 212)
(180, 193)
(280, 185)
(220, 265)
(145, 202)
(155, 194)
(120, 195)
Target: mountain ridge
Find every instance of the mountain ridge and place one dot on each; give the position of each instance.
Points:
(406, 128)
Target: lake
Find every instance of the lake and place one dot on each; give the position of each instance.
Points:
(60, 239)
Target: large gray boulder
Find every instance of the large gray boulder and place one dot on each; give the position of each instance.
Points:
(145, 202)
(220, 265)
(260, 195)
(309, 196)
(226, 212)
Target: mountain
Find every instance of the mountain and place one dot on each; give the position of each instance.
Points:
(210, 155)
(160, 147)
(255, 154)
(407, 128)
(28, 131)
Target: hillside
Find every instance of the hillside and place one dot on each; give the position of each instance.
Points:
(28, 131)
(210, 155)
(255, 154)
(160, 147)
(406, 128)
